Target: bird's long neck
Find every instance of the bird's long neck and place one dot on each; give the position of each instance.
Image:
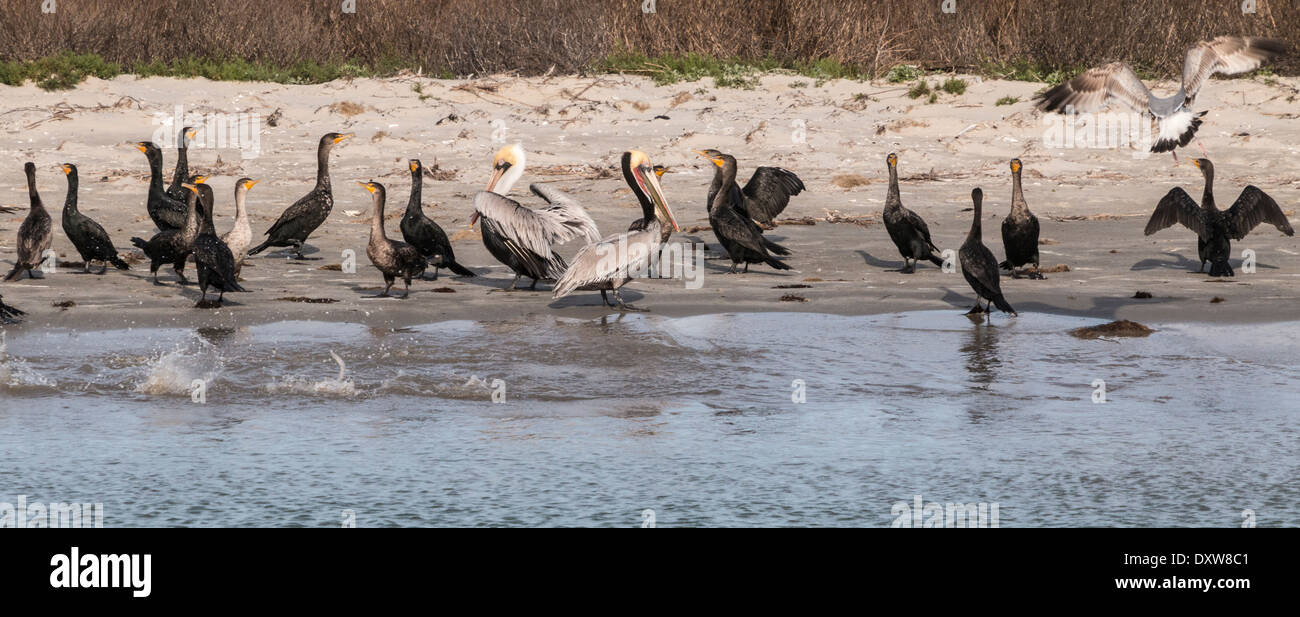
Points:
(206, 223)
(1207, 199)
(634, 183)
(417, 187)
(191, 215)
(31, 190)
(241, 215)
(725, 177)
(976, 230)
(377, 218)
(892, 196)
(155, 172)
(323, 166)
(70, 204)
(182, 161)
(1017, 194)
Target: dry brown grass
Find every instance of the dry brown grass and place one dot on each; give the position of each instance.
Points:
(537, 36)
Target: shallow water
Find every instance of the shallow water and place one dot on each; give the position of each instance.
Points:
(691, 417)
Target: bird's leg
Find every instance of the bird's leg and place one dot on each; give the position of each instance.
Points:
(533, 287)
(407, 293)
(624, 305)
(104, 268)
(604, 297)
(732, 270)
(1202, 147)
(85, 267)
(1175, 153)
(746, 268)
(435, 272)
(297, 249)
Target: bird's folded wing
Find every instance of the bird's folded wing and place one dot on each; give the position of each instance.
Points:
(1093, 88)
(1177, 207)
(1253, 207)
(563, 217)
(1226, 54)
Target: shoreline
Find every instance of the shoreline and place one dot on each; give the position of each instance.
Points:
(1092, 202)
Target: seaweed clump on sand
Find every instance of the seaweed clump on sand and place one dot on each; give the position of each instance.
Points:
(1122, 327)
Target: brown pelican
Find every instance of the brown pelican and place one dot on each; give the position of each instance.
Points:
(1019, 230)
(1214, 227)
(609, 264)
(737, 233)
(766, 194)
(520, 237)
(979, 266)
(1094, 87)
(36, 232)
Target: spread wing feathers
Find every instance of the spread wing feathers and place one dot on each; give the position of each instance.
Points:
(1093, 88)
(1253, 207)
(293, 212)
(615, 258)
(565, 215)
(1177, 207)
(544, 264)
(768, 192)
(1229, 55)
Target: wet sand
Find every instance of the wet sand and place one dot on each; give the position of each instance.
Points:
(1092, 203)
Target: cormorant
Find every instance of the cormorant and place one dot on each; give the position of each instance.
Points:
(212, 258)
(1116, 81)
(9, 314)
(737, 233)
(906, 228)
(979, 266)
(521, 237)
(305, 215)
(167, 213)
(182, 172)
(390, 257)
(241, 235)
(35, 234)
(1215, 227)
(766, 194)
(1019, 230)
(89, 237)
(425, 235)
(609, 264)
(173, 246)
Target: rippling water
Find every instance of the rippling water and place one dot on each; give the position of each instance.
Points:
(692, 418)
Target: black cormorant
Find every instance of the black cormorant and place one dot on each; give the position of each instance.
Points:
(906, 228)
(766, 194)
(305, 215)
(425, 235)
(167, 213)
(89, 237)
(182, 172)
(978, 264)
(173, 246)
(1019, 230)
(212, 258)
(737, 233)
(1214, 228)
(36, 232)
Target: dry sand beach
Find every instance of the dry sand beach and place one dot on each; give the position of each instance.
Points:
(1092, 203)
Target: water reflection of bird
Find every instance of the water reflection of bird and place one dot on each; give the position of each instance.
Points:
(1215, 227)
(981, 354)
(978, 265)
(609, 264)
